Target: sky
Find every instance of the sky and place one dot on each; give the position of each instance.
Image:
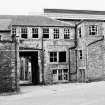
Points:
(25, 7)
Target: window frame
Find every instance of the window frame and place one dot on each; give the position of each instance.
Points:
(24, 32)
(93, 29)
(66, 32)
(56, 33)
(53, 56)
(57, 57)
(44, 32)
(13, 31)
(60, 75)
(35, 32)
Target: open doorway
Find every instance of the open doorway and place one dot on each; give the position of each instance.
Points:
(29, 68)
(82, 75)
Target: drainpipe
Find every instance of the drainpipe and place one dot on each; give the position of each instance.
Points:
(75, 45)
(69, 62)
(16, 52)
(43, 82)
(16, 63)
(76, 49)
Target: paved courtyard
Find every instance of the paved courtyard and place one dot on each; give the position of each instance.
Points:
(61, 94)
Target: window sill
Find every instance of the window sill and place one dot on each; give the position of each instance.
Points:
(58, 63)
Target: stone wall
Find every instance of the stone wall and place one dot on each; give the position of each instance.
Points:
(48, 44)
(92, 52)
(58, 45)
(95, 62)
(7, 66)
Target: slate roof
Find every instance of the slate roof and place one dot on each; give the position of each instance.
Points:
(74, 11)
(7, 20)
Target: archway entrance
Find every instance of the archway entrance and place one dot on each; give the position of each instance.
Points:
(29, 68)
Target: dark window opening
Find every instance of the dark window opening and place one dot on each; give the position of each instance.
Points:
(24, 32)
(60, 77)
(79, 32)
(62, 56)
(34, 32)
(54, 71)
(24, 35)
(0, 37)
(65, 74)
(45, 32)
(80, 54)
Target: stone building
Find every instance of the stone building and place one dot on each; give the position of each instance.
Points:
(90, 33)
(45, 43)
(61, 46)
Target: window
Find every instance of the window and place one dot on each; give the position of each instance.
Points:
(55, 71)
(53, 56)
(66, 33)
(62, 56)
(13, 31)
(60, 75)
(0, 37)
(34, 32)
(65, 74)
(45, 32)
(92, 30)
(56, 33)
(24, 32)
(80, 51)
(82, 75)
(79, 32)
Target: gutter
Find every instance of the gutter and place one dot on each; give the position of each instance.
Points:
(75, 41)
(96, 41)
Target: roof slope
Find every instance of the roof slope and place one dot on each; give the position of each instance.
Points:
(29, 20)
(74, 11)
(4, 24)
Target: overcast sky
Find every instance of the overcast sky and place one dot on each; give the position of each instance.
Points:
(25, 7)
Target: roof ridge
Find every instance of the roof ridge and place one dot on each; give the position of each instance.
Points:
(72, 11)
